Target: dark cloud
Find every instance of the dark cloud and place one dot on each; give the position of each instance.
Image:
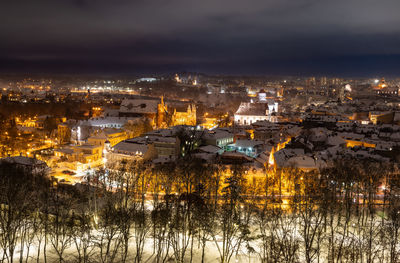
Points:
(227, 36)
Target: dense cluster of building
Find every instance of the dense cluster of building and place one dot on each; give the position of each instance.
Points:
(261, 124)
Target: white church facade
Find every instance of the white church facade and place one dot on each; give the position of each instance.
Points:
(250, 112)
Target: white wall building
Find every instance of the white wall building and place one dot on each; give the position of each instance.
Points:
(250, 112)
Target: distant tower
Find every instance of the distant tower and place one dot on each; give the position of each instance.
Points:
(262, 96)
(88, 94)
(323, 81)
(161, 113)
(177, 79)
(191, 114)
(279, 92)
(341, 93)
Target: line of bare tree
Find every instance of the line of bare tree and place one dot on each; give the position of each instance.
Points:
(190, 211)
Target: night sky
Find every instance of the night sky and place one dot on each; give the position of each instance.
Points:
(280, 37)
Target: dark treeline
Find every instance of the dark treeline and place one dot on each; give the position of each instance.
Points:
(69, 109)
(189, 211)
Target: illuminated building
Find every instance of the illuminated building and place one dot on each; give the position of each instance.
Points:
(251, 92)
(249, 112)
(113, 136)
(139, 108)
(167, 147)
(250, 148)
(146, 147)
(218, 137)
(146, 80)
(161, 114)
(389, 91)
(165, 118)
(384, 89)
(187, 117)
(177, 79)
(381, 84)
(377, 117)
(37, 121)
(29, 122)
(279, 92)
(128, 150)
(253, 111)
(63, 133)
(86, 154)
(209, 122)
(96, 111)
(354, 143)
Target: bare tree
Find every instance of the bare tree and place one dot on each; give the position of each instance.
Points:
(108, 239)
(308, 205)
(19, 197)
(61, 218)
(231, 222)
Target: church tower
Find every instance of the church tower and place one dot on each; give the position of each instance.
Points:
(193, 114)
(161, 113)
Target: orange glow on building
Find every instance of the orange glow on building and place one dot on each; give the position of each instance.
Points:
(282, 145)
(271, 159)
(382, 84)
(209, 123)
(352, 143)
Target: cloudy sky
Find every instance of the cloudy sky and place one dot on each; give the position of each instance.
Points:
(272, 37)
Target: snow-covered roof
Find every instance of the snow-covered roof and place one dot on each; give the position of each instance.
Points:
(210, 149)
(217, 134)
(133, 148)
(252, 109)
(264, 124)
(235, 154)
(351, 136)
(248, 143)
(205, 156)
(319, 134)
(304, 162)
(107, 121)
(283, 155)
(161, 132)
(22, 160)
(293, 131)
(150, 139)
(335, 140)
(87, 146)
(99, 136)
(139, 105)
